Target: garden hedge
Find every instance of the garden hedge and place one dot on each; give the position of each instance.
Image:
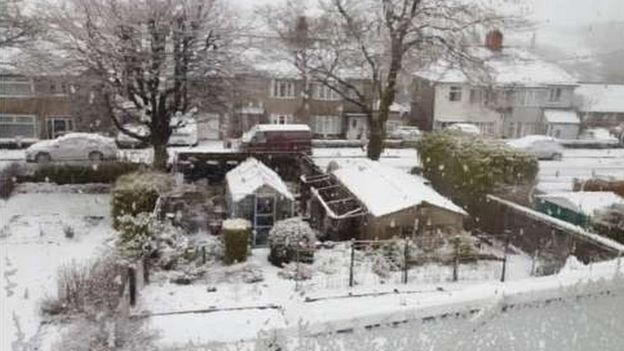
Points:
(467, 168)
(236, 237)
(106, 172)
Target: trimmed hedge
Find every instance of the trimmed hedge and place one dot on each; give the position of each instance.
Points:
(106, 172)
(467, 168)
(236, 235)
(138, 192)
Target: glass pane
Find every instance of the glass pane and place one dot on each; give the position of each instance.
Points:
(265, 205)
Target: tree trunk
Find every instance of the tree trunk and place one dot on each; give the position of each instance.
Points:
(160, 139)
(377, 136)
(161, 156)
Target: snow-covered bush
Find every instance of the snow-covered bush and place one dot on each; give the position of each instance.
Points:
(610, 222)
(138, 192)
(145, 236)
(8, 179)
(290, 239)
(296, 271)
(236, 239)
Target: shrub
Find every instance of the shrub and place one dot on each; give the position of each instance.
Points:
(610, 222)
(106, 172)
(91, 288)
(290, 238)
(295, 271)
(8, 179)
(467, 168)
(138, 192)
(145, 236)
(236, 238)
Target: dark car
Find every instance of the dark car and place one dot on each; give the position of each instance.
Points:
(278, 138)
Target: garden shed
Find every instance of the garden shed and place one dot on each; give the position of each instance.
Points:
(257, 193)
(576, 207)
(396, 201)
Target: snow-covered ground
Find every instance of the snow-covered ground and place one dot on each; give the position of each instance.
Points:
(32, 247)
(183, 313)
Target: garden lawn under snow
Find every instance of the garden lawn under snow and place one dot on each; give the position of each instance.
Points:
(221, 307)
(33, 245)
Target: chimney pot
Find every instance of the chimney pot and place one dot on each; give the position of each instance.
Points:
(494, 40)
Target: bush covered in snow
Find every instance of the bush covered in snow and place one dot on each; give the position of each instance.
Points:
(610, 222)
(8, 179)
(105, 172)
(296, 271)
(290, 238)
(467, 168)
(138, 192)
(145, 236)
(236, 239)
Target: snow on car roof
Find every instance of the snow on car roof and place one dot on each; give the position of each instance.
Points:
(586, 202)
(511, 66)
(465, 127)
(601, 97)
(252, 174)
(283, 127)
(561, 116)
(91, 136)
(385, 190)
(528, 140)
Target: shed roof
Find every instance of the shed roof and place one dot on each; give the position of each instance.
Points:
(251, 175)
(385, 190)
(561, 117)
(585, 202)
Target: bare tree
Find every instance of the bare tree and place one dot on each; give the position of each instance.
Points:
(15, 27)
(147, 55)
(360, 48)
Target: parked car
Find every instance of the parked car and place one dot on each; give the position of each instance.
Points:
(406, 133)
(184, 133)
(602, 137)
(541, 146)
(277, 138)
(73, 147)
(465, 128)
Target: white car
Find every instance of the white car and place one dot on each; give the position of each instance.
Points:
(184, 133)
(406, 133)
(541, 146)
(73, 147)
(465, 128)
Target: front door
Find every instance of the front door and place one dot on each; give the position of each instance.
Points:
(356, 126)
(264, 218)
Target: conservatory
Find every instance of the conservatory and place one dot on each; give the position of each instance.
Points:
(257, 193)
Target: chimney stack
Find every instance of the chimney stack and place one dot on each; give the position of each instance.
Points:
(494, 40)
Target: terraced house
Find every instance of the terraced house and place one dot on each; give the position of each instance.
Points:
(33, 108)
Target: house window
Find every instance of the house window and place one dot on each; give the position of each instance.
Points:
(17, 126)
(322, 92)
(283, 89)
(455, 93)
(554, 95)
(476, 96)
(281, 119)
(10, 86)
(327, 125)
(59, 125)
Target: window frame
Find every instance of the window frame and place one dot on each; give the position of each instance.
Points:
(455, 93)
(283, 89)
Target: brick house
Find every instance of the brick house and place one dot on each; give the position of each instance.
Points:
(272, 90)
(33, 108)
(510, 103)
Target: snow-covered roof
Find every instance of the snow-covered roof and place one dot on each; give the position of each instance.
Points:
(601, 97)
(585, 202)
(385, 190)
(510, 66)
(251, 175)
(561, 116)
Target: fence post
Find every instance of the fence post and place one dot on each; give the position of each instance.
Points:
(456, 260)
(204, 254)
(405, 258)
(132, 285)
(507, 239)
(146, 272)
(351, 264)
(298, 272)
(534, 262)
